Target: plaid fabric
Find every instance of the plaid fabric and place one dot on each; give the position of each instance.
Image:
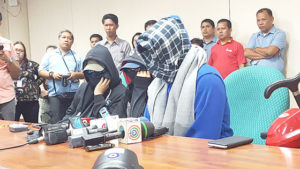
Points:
(163, 47)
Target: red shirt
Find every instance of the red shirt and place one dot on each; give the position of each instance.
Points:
(226, 58)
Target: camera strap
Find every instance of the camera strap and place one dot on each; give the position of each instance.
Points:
(67, 68)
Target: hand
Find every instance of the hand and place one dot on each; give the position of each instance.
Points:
(44, 93)
(143, 74)
(4, 57)
(72, 76)
(57, 76)
(102, 86)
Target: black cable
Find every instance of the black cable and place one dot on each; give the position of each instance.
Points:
(20, 145)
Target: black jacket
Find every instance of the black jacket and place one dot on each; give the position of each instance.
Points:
(86, 104)
(137, 90)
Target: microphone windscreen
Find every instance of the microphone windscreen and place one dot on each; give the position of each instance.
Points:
(117, 158)
(147, 129)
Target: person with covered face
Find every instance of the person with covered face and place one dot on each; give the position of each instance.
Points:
(103, 93)
(187, 95)
(137, 78)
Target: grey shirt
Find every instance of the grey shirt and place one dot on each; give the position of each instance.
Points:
(118, 50)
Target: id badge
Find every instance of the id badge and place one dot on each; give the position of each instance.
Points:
(19, 83)
(104, 112)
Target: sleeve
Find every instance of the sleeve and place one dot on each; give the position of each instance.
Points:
(210, 104)
(210, 60)
(45, 63)
(252, 42)
(139, 96)
(240, 54)
(279, 40)
(117, 105)
(80, 63)
(127, 49)
(99, 102)
(72, 108)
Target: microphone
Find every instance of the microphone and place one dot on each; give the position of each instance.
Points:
(117, 158)
(76, 140)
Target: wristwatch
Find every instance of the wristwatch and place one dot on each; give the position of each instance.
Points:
(51, 75)
(12, 59)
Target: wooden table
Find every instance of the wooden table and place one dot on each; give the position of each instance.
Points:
(164, 152)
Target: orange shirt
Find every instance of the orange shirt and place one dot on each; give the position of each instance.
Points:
(7, 91)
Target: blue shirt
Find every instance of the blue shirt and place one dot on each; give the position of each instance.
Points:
(275, 37)
(211, 109)
(53, 62)
(207, 46)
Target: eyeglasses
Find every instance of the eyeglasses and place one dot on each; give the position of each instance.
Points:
(19, 50)
(132, 70)
(96, 74)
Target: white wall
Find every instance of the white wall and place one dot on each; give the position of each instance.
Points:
(83, 18)
(15, 23)
(47, 17)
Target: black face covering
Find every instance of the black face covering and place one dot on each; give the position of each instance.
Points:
(94, 77)
(131, 75)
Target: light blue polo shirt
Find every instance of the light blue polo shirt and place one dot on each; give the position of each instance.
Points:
(53, 62)
(275, 37)
(207, 46)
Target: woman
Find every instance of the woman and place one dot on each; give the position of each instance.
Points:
(27, 86)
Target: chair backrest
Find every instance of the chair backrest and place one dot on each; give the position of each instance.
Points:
(250, 112)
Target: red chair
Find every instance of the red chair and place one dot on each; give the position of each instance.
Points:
(285, 130)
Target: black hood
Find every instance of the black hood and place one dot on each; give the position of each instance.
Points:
(101, 55)
(134, 58)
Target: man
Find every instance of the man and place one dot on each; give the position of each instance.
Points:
(62, 67)
(103, 93)
(94, 38)
(187, 95)
(227, 55)
(267, 46)
(43, 100)
(149, 24)
(208, 33)
(117, 47)
(9, 70)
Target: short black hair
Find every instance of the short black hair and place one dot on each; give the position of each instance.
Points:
(149, 23)
(208, 21)
(228, 22)
(66, 30)
(197, 41)
(51, 46)
(136, 34)
(113, 17)
(265, 9)
(96, 36)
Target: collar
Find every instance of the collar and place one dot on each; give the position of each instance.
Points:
(117, 41)
(229, 41)
(214, 39)
(272, 31)
(60, 53)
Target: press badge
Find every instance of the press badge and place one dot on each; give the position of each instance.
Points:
(19, 83)
(104, 112)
